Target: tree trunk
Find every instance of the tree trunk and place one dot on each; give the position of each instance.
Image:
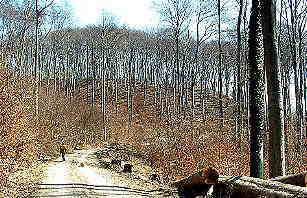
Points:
(103, 101)
(87, 73)
(239, 87)
(130, 96)
(220, 65)
(256, 92)
(93, 77)
(36, 56)
(275, 113)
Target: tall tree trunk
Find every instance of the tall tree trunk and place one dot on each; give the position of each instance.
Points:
(239, 86)
(87, 73)
(220, 86)
(275, 113)
(130, 95)
(116, 90)
(103, 99)
(93, 77)
(302, 68)
(177, 76)
(145, 78)
(36, 57)
(256, 92)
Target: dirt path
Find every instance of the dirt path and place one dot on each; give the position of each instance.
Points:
(80, 176)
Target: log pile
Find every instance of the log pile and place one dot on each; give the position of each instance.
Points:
(249, 187)
(297, 179)
(205, 183)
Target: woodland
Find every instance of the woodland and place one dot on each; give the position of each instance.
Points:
(218, 83)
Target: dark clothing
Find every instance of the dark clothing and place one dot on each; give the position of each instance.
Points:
(62, 152)
(63, 156)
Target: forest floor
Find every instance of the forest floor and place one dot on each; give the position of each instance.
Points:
(81, 175)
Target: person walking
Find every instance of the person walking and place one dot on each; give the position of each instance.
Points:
(63, 152)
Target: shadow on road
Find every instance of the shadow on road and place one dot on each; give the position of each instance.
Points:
(101, 190)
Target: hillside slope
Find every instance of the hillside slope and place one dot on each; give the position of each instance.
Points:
(175, 145)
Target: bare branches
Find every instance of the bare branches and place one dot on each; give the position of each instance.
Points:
(175, 13)
(40, 11)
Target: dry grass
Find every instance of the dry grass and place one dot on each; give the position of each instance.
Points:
(174, 146)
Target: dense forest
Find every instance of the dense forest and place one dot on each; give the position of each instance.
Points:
(217, 83)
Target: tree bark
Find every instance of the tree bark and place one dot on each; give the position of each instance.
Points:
(275, 112)
(256, 90)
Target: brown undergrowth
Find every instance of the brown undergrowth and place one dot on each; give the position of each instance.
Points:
(174, 145)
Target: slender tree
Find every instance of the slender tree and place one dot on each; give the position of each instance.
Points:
(203, 32)
(36, 55)
(220, 81)
(38, 14)
(295, 11)
(176, 14)
(239, 85)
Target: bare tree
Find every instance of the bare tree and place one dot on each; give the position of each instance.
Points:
(295, 16)
(39, 12)
(176, 14)
(204, 30)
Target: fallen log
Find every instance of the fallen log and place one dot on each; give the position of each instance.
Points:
(296, 179)
(249, 187)
(201, 182)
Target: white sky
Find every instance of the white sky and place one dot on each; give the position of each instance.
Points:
(135, 13)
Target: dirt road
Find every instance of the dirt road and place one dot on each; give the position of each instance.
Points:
(81, 176)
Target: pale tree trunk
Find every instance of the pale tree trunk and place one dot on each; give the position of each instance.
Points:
(145, 78)
(93, 77)
(36, 57)
(116, 90)
(87, 73)
(256, 92)
(66, 76)
(55, 74)
(245, 88)
(275, 110)
(177, 76)
(239, 86)
(103, 101)
(130, 96)
(283, 84)
(220, 86)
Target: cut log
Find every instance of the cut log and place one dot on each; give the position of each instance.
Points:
(297, 179)
(241, 186)
(197, 184)
(204, 176)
